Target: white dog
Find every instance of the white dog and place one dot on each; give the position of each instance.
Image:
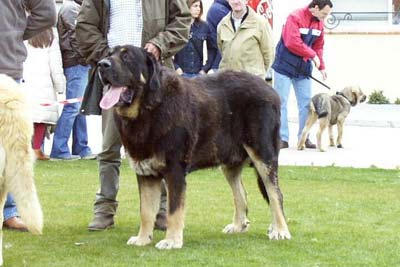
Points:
(16, 157)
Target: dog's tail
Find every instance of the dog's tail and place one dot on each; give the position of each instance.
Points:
(319, 105)
(17, 129)
(20, 182)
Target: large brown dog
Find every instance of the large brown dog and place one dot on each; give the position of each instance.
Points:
(16, 156)
(331, 110)
(170, 126)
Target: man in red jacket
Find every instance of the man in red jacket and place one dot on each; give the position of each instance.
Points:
(301, 44)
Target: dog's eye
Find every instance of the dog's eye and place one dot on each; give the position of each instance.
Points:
(125, 56)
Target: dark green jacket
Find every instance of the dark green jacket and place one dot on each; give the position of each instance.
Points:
(166, 24)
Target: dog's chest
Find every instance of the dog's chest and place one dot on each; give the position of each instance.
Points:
(148, 167)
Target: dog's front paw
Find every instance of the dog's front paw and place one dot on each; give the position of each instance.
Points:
(236, 228)
(277, 234)
(321, 149)
(137, 241)
(169, 244)
(300, 147)
(339, 146)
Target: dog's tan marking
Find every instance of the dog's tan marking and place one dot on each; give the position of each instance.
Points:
(132, 111)
(147, 167)
(240, 222)
(142, 78)
(175, 225)
(150, 191)
(278, 228)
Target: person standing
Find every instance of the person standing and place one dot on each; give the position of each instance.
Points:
(43, 79)
(217, 10)
(76, 71)
(17, 25)
(245, 40)
(301, 44)
(189, 61)
(160, 27)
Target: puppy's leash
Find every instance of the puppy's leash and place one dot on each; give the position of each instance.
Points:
(308, 75)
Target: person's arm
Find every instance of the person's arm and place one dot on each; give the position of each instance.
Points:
(92, 43)
(212, 51)
(292, 39)
(267, 44)
(176, 33)
(56, 69)
(42, 15)
(318, 47)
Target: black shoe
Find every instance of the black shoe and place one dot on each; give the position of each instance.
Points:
(161, 222)
(308, 144)
(101, 222)
(284, 144)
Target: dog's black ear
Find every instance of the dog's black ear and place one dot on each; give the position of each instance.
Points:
(154, 92)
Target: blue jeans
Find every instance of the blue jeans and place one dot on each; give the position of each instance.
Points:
(70, 119)
(10, 208)
(190, 75)
(302, 89)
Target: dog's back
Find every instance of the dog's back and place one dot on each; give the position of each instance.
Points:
(321, 105)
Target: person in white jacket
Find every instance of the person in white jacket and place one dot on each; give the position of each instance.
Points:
(43, 79)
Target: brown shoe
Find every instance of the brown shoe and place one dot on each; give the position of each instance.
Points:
(101, 222)
(15, 223)
(161, 222)
(308, 144)
(39, 155)
(284, 144)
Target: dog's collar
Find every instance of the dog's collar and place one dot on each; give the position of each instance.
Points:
(341, 94)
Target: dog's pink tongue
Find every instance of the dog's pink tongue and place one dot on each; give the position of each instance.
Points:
(111, 97)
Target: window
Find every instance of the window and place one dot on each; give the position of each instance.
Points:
(371, 16)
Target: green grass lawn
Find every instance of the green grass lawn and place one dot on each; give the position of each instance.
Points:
(337, 217)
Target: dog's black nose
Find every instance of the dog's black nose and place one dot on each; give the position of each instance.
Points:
(104, 63)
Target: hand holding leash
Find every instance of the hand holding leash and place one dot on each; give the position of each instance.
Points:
(316, 61)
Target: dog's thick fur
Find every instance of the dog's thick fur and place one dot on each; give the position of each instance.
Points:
(331, 110)
(171, 126)
(16, 157)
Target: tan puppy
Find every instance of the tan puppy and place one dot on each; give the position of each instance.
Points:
(16, 157)
(331, 110)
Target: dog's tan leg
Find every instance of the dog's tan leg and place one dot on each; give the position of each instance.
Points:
(268, 173)
(340, 125)
(175, 225)
(323, 123)
(3, 195)
(312, 118)
(240, 222)
(331, 137)
(150, 192)
(176, 216)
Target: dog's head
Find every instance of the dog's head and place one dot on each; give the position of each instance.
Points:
(353, 94)
(133, 77)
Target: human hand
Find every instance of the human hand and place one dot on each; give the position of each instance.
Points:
(152, 49)
(179, 71)
(324, 74)
(202, 72)
(316, 61)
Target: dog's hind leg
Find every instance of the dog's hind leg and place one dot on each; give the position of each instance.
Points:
(267, 171)
(150, 192)
(312, 118)
(331, 138)
(323, 123)
(240, 222)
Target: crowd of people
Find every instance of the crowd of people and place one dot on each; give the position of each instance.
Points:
(64, 60)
